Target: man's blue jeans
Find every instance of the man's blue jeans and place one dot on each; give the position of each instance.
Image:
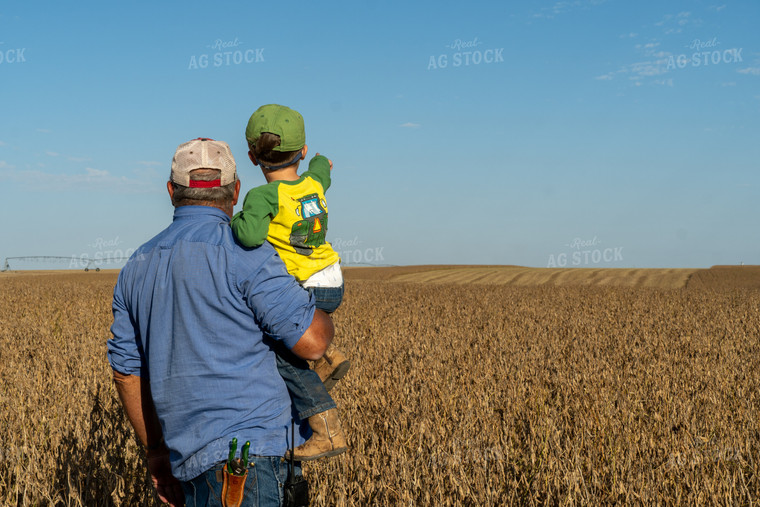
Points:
(263, 487)
(306, 389)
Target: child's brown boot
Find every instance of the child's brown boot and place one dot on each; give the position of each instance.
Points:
(331, 367)
(327, 438)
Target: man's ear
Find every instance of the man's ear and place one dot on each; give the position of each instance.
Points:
(170, 189)
(303, 151)
(237, 193)
(253, 158)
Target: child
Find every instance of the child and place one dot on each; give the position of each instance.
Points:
(291, 213)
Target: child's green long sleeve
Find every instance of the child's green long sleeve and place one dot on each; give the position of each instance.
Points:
(251, 224)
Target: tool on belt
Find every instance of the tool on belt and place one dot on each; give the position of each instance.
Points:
(235, 473)
(296, 488)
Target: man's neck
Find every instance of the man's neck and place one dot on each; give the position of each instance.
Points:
(226, 208)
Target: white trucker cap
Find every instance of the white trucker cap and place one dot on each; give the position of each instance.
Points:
(203, 153)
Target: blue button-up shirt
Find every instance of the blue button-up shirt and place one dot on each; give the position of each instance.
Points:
(189, 310)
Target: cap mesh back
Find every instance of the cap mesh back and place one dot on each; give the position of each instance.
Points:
(219, 157)
(200, 154)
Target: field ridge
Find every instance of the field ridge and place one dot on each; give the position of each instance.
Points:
(519, 276)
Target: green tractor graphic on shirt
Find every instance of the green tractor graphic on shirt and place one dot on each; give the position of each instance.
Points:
(309, 232)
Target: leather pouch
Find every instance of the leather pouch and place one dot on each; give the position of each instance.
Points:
(233, 488)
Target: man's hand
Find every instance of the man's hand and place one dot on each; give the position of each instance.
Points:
(167, 487)
(328, 161)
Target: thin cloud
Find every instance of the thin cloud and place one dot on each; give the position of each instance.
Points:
(647, 69)
(2, 143)
(410, 125)
(675, 23)
(90, 179)
(653, 63)
(564, 6)
(71, 159)
(683, 18)
(639, 71)
(755, 71)
(96, 173)
(45, 131)
(148, 170)
(5, 165)
(647, 48)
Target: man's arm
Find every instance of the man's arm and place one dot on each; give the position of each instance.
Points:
(318, 336)
(134, 393)
(135, 396)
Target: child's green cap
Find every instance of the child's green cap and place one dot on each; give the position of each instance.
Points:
(280, 120)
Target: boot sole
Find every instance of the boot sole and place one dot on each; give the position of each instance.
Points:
(327, 454)
(337, 374)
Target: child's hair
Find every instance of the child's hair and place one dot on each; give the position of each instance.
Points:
(264, 151)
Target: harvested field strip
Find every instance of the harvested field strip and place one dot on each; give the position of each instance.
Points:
(726, 277)
(518, 276)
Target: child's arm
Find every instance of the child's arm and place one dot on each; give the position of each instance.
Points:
(327, 160)
(251, 224)
(319, 169)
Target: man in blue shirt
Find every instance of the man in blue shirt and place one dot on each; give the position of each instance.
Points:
(189, 355)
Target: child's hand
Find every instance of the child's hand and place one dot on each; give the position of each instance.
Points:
(328, 161)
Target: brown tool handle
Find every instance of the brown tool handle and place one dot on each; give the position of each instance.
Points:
(233, 489)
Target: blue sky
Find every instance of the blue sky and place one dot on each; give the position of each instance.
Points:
(584, 133)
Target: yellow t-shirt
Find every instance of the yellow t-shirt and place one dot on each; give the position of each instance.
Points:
(292, 216)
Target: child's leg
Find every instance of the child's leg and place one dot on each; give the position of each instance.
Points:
(306, 388)
(334, 365)
(327, 437)
(327, 299)
(312, 403)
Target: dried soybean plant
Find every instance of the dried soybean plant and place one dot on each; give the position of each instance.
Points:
(458, 395)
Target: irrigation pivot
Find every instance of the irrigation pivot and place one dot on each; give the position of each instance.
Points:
(90, 263)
